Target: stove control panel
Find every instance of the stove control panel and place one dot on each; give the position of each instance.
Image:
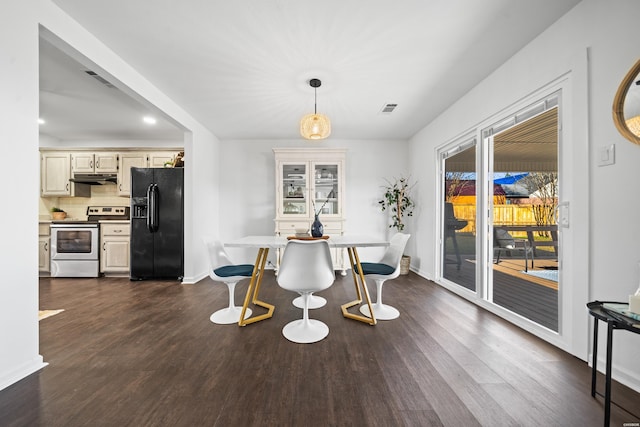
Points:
(108, 211)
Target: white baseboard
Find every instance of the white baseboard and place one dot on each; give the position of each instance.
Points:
(192, 280)
(21, 372)
(621, 375)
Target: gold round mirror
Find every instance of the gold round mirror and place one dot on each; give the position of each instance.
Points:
(626, 105)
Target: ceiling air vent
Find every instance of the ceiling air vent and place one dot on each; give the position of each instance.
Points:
(388, 108)
(99, 78)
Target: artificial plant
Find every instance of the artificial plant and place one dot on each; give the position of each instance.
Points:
(397, 198)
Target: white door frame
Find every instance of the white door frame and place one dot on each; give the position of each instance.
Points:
(573, 253)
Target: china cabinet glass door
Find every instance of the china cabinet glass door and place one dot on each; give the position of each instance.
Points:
(294, 189)
(325, 197)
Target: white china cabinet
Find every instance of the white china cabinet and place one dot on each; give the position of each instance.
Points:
(310, 181)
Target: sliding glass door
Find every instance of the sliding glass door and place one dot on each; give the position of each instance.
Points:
(499, 200)
(458, 231)
(524, 276)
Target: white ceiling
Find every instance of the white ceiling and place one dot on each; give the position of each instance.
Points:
(77, 107)
(242, 67)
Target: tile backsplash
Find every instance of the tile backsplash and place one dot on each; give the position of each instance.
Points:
(76, 207)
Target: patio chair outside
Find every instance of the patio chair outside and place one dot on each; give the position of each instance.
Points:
(504, 242)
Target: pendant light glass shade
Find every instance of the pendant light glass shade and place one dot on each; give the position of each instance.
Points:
(315, 126)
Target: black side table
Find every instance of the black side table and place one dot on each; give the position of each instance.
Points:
(614, 321)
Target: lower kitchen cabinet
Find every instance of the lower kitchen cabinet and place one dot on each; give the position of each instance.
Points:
(114, 241)
(44, 254)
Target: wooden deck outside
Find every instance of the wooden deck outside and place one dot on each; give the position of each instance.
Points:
(531, 297)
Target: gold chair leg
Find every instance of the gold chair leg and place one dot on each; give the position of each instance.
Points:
(358, 279)
(254, 288)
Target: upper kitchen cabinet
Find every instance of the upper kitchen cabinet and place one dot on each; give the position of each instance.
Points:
(140, 159)
(55, 171)
(158, 159)
(59, 165)
(127, 161)
(98, 162)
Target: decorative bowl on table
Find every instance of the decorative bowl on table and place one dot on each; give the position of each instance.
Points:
(302, 232)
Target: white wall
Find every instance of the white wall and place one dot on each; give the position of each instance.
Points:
(614, 231)
(19, 131)
(247, 194)
(19, 135)
(595, 45)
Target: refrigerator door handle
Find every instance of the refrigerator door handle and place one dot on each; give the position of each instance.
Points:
(150, 208)
(155, 214)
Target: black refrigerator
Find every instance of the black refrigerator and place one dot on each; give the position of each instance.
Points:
(157, 226)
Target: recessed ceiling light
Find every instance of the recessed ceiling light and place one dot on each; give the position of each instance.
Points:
(41, 121)
(149, 120)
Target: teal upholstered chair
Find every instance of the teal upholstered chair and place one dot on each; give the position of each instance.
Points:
(386, 269)
(221, 269)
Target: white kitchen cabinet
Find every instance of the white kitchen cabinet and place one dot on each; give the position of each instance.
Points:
(114, 241)
(55, 171)
(157, 159)
(310, 181)
(58, 166)
(139, 159)
(44, 254)
(96, 162)
(127, 161)
(106, 162)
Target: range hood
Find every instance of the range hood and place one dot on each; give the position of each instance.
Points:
(94, 178)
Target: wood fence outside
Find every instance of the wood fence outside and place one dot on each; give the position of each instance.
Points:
(502, 215)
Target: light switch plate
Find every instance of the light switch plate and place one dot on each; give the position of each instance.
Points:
(607, 155)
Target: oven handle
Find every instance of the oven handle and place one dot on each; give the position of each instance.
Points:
(152, 211)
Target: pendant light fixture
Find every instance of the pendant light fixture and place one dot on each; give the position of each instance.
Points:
(315, 126)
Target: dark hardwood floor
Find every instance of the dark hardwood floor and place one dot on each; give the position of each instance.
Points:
(145, 354)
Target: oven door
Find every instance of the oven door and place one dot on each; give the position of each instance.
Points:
(74, 242)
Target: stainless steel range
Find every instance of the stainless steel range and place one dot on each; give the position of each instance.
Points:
(74, 244)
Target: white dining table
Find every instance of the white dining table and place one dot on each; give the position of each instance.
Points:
(265, 243)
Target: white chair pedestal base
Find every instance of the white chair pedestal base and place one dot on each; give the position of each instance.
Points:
(305, 331)
(229, 315)
(381, 311)
(314, 302)
(296, 276)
